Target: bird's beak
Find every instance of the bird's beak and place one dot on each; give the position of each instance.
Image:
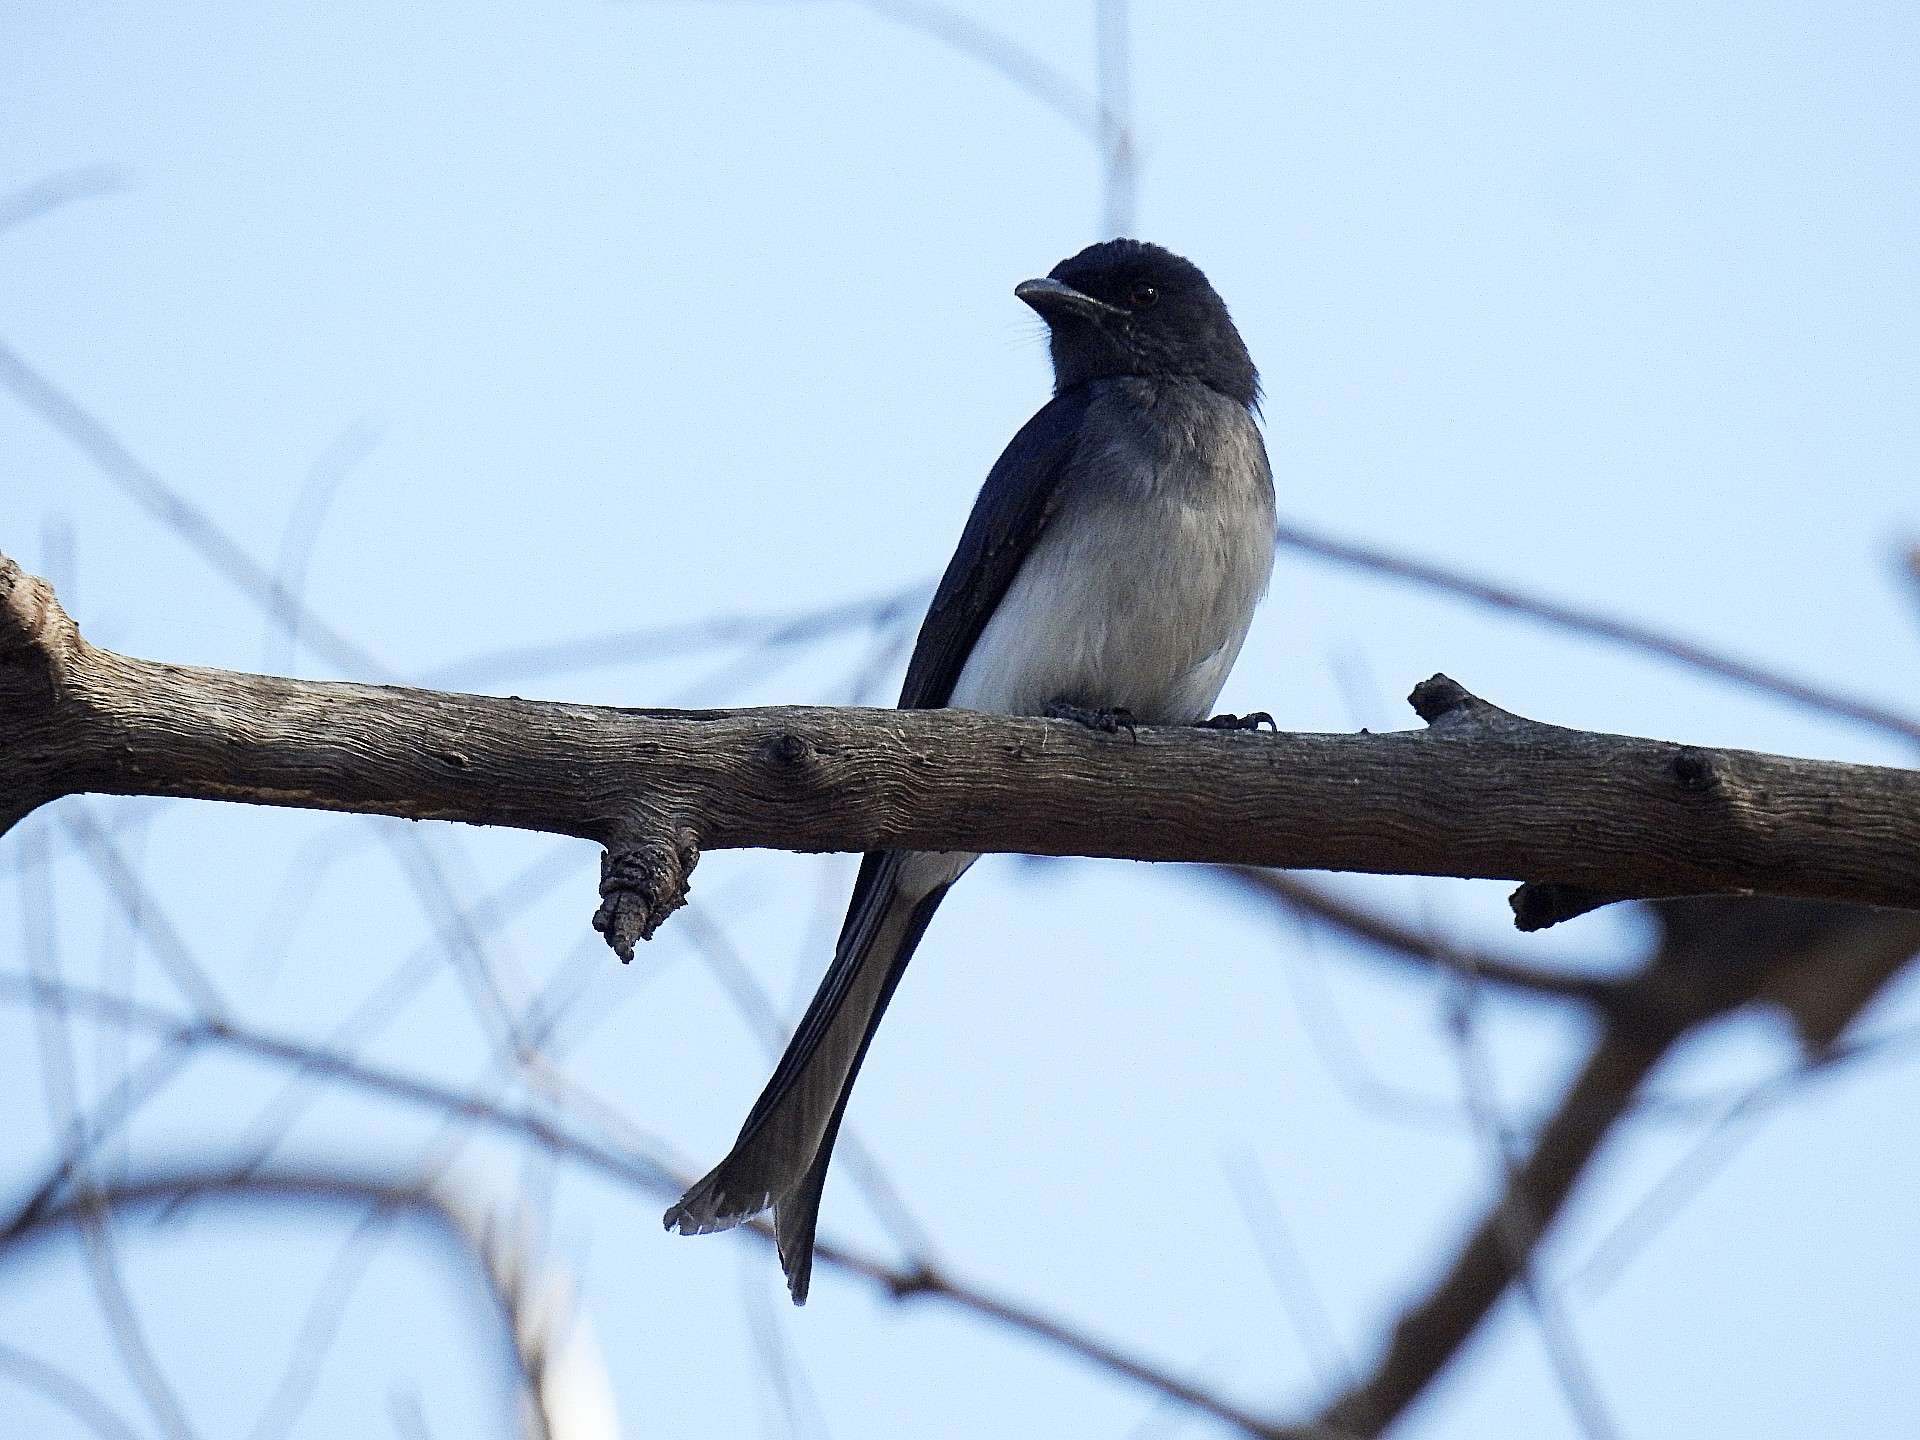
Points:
(1052, 299)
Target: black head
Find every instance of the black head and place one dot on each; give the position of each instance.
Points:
(1125, 307)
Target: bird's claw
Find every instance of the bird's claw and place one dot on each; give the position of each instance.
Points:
(1107, 719)
(1252, 720)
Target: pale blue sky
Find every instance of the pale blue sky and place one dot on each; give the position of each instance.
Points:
(666, 310)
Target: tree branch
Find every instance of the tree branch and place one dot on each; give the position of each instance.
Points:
(1478, 793)
(1379, 932)
(1822, 964)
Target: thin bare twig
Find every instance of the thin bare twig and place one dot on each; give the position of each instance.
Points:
(1287, 1268)
(1104, 117)
(326, 1312)
(44, 196)
(85, 1133)
(1339, 1052)
(122, 882)
(509, 1263)
(283, 606)
(1385, 935)
(1725, 1133)
(58, 1074)
(487, 983)
(382, 1006)
(1120, 163)
(140, 483)
(1611, 628)
(165, 1192)
(787, 1391)
(1521, 1230)
(645, 644)
(631, 1167)
(1024, 68)
(47, 1379)
(298, 539)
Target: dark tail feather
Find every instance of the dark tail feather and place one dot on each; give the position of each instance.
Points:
(781, 1156)
(796, 1215)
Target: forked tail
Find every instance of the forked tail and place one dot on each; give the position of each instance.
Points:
(781, 1157)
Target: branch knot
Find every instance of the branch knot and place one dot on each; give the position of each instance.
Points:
(789, 751)
(1694, 770)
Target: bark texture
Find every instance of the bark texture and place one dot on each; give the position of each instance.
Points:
(1477, 793)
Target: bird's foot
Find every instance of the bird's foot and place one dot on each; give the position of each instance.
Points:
(1107, 719)
(1252, 720)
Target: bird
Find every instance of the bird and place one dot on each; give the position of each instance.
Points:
(1107, 575)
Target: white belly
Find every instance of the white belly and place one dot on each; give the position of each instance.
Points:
(1129, 602)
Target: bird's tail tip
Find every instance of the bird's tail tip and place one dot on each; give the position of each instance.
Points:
(717, 1203)
(793, 1228)
(799, 1277)
(711, 1205)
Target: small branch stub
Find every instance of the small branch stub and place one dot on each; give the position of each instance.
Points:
(640, 886)
(1536, 907)
(36, 640)
(1439, 696)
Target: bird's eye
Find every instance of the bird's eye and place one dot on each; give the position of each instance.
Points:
(1142, 295)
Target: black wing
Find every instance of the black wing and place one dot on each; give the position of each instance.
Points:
(1013, 508)
(1011, 511)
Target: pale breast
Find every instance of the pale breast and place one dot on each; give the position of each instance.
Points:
(1140, 592)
